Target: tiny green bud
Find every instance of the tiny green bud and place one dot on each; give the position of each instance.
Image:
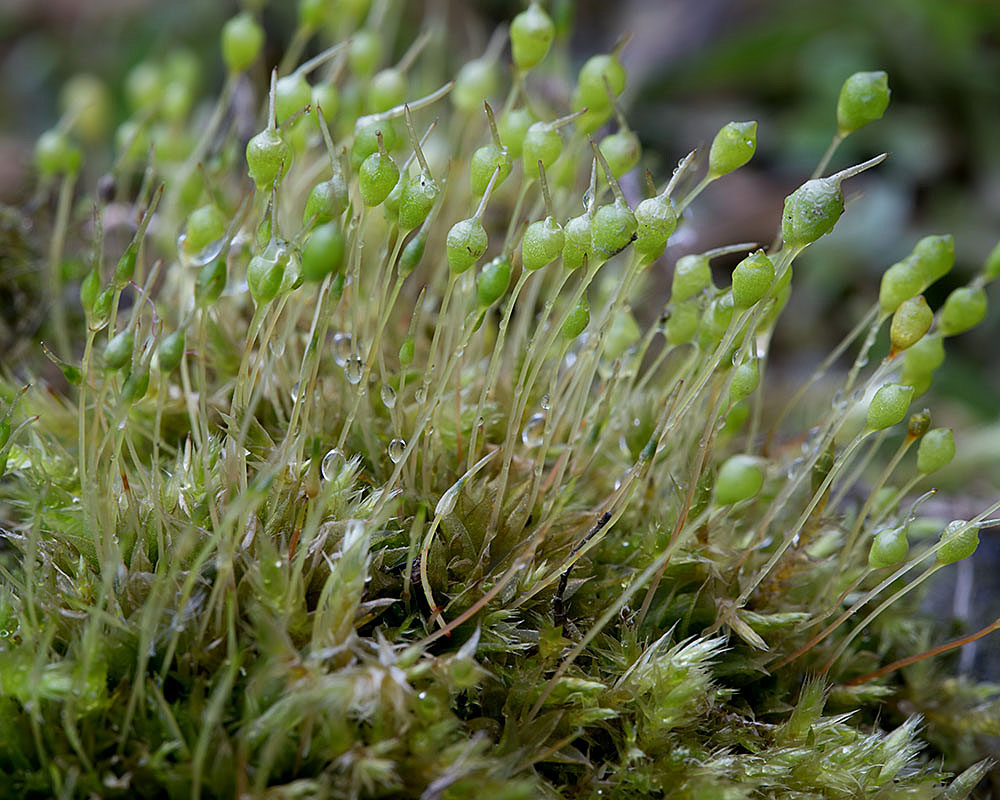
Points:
(475, 82)
(118, 351)
(242, 39)
(682, 324)
(889, 406)
(485, 162)
(171, 351)
(936, 450)
(54, 155)
(416, 202)
(542, 243)
(911, 321)
(752, 277)
(889, 547)
(531, 35)
(377, 177)
(919, 424)
(492, 281)
(513, 126)
(864, 98)
(991, 269)
(466, 243)
(691, 275)
(811, 211)
(210, 282)
(102, 308)
(959, 540)
(205, 225)
(621, 150)
(733, 146)
(655, 222)
(578, 235)
(313, 13)
(265, 274)
(590, 83)
(406, 351)
(746, 379)
(578, 319)
(614, 227)
(964, 309)
(740, 478)
(268, 157)
(125, 268)
(144, 86)
(323, 253)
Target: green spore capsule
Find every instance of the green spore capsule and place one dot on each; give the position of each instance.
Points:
(102, 308)
(493, 281)
(292, 93)
(542, 243)
(597, 73)
(323, 253)
(118, 351)
(89, 289)
(716, 320)
(386, 90)
(577, 240)
(682, 324)
(889, 548)
(365, 52)
(125, 268)
(919, 424)
(542, 142)
(910, 322)
(171, 351)
(266, 273)
(377, 177)
(614, 227)
(475, 82)
(268, 157)
(466, 243)
(936, 450)
(55, 155)
(578, 319)
(591, 118)
(692, 274)
(732, 147)
(621, 150)
(210, 282)
(931, 259)
(740, 478)
(991, 269)
(135, 387)
(326, 202)
(655, 221)
(484, 163)
(889, 406)
(205, 225)
(242, 39)
(412, 253)
(513, 126)
(406, 351)
(964, 309)
(745, 380)
(925, 356)
(366, 140)
(959, 540)
(623, 333)
(864, 98)
(417, 200)
(752, 278)
(811, 211)
(531, 35)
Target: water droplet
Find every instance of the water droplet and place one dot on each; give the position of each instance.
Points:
(532, 435)
(208, 253)
(570, 360)
(353, 369)
(341, 348)
(420, 395)
(333, 462)
(397, 447)
(447, 502)
(294, 393)
(388, 396)
(277, 347)
(546, 402)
